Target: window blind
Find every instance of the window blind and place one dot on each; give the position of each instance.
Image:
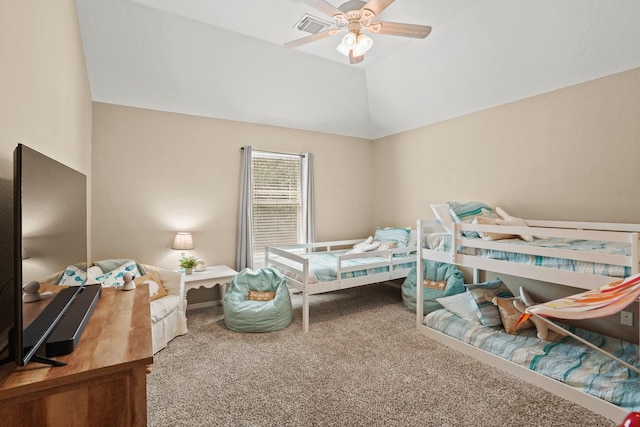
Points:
(276, 199)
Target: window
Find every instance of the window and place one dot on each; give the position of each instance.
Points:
(276, 201)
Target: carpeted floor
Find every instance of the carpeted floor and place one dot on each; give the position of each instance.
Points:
(362, 363)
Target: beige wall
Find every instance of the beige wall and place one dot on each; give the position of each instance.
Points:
(45, 102)
(571, 154)
(156, 173)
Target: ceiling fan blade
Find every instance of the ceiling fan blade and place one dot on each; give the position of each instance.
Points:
(377, 6)
(398, 29)
(324, 7)
(312, 38)
(355, 59)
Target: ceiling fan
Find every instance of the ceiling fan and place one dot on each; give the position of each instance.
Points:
(354, 17)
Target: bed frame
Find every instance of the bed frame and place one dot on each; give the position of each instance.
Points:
(629, 233)
(297, 270)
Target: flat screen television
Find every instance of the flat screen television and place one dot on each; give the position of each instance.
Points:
(49, 234)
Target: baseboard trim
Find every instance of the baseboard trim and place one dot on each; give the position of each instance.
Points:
(203, 304)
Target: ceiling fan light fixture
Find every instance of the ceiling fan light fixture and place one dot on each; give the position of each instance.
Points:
(364, 42)
(349, 41)
(343, 49)
(354, 17)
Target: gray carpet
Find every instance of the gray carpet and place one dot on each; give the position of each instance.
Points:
(362, 363)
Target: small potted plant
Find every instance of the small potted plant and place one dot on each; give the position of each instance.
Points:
(188, 263)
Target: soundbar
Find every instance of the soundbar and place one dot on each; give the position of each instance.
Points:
(64, 338)
(48, 317)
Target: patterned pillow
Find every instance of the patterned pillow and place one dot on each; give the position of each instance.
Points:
(482, 295)
(114, 278)
(73, 276)
(466, 212)
(400, 235)
(112, 264)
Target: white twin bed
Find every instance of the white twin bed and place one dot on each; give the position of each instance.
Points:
(577, 254)
(316, 268)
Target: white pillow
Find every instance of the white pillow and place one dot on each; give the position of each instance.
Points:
(462, 306)
(114, 278)
(72, 276)
(443, 213)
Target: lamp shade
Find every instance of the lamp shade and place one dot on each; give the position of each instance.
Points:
(183, 241)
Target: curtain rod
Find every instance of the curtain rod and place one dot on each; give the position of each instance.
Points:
(275, 152)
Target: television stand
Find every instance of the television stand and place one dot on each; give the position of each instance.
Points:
(104, 382)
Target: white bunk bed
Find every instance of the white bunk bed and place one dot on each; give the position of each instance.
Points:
(473, 253)
(315, 268)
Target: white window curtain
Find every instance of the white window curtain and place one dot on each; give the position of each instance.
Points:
(276, 203)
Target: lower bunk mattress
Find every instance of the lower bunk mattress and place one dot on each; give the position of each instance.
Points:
(323, 266)
(565, 360)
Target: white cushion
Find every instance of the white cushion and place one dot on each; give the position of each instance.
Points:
(161, 307)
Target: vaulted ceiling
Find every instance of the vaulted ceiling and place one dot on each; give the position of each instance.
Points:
(226, 59)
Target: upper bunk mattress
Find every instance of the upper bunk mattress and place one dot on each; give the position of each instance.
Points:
(442, 242)
(566, 360)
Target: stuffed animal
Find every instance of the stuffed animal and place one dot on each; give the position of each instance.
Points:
(506, 219)
(545, 331)
(366, 246)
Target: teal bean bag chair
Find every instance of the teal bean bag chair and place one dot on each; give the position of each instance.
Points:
(257, 301)
(440, 280)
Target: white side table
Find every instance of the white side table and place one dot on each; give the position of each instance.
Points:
(220, 275)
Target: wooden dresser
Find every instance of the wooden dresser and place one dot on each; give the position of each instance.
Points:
(104, 382)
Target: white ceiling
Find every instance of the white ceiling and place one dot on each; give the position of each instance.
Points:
(225, 59)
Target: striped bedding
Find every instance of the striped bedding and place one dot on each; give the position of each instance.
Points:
(442, 242)
(323, 266)
(567, 360)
